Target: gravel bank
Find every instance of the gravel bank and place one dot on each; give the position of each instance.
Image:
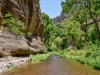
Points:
(7, 61)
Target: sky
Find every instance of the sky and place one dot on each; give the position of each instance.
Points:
(51, 7)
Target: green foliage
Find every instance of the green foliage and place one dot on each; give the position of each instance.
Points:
(72, 30)
(72, 52)
(58, 42)
(11, 67)
(89, 53)
(13, 24)
(75, 31)
(82, 11)
(53, 47)
(48, 28)
(38, 58)
(93, 35)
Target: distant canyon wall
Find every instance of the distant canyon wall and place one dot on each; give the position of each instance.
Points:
(59, 19)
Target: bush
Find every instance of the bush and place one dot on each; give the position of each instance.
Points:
(58, 42)
(72, 52)
(89, 53)
(61, 54)
(83, 60)
(13, 24)
(96, 64)
(38, 58)
(11, 67)
(80, 53)
(52, 47)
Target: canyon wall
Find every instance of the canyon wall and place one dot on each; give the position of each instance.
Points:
(29, 13)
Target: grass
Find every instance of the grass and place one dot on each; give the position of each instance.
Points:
(38, 58)
(11, 67)
(81, 56)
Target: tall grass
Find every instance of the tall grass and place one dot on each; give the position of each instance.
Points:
(38, 58)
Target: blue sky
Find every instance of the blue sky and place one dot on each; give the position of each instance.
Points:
(51, 7)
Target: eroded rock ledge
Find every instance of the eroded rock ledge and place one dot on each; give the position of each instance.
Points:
(15, 45)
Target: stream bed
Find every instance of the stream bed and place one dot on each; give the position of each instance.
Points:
(54, 66)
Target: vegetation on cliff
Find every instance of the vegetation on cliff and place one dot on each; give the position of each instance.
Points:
(13, 24)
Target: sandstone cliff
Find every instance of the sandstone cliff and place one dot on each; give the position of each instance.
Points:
(29, 13)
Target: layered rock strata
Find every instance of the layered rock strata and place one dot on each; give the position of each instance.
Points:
(29, 13)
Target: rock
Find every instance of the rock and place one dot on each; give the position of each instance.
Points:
(29, 14)
(27, 11)
(14, 45)
(36, 48)
(57, 20)
(34, 51)
(8, 61)
(1, 52)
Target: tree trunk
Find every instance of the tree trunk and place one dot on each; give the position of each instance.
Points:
(95, 21)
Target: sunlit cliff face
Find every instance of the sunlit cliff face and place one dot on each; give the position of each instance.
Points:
(28, 11)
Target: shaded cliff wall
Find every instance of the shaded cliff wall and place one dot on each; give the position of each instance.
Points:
(28, 11)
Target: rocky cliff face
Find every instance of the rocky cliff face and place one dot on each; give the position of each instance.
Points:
(57, 20)
(29, 13)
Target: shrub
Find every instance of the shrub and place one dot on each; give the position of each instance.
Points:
(88, 53)
(52, 47)
(13, 24)
(72, 52)
(11, 67)
(58, 41)
(83, 60)
(80, 53)
(38, 57)
(96, 64)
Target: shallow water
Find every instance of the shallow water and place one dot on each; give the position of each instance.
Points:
(55, 66)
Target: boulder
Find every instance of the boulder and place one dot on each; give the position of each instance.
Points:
(13, 44)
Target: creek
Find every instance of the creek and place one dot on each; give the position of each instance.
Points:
(55, 66)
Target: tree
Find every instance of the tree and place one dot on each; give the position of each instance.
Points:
(48, 28)
(72, 31)
(91, 10)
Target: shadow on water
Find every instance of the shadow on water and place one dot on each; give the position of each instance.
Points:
(55, 66)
